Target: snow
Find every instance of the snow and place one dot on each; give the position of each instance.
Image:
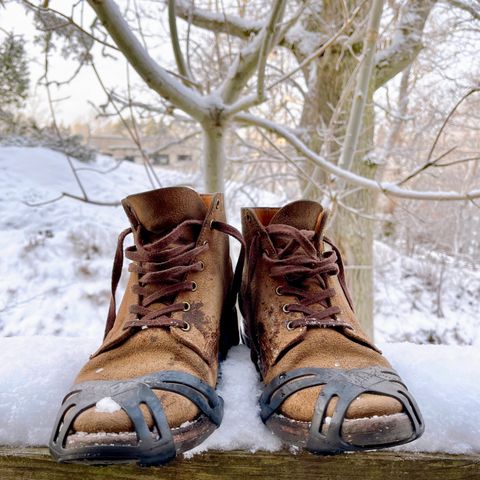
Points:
(107, 405)
(406, 299)
(36, 373)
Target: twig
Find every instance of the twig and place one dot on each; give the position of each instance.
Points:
(464, 97)
(75, 197)
(69, 21)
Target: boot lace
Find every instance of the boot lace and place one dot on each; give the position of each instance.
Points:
(298, 260)
(164, 263)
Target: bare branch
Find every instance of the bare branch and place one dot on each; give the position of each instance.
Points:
(74, 197)
(407, 41)
(350, 177)
(447, 118)
(427, 164)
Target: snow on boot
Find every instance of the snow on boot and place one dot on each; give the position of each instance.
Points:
(148, 393)
(327, 387)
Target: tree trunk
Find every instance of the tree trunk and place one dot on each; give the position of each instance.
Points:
(326, 110)
(214, 157)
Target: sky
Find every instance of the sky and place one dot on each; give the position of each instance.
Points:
(83, 89)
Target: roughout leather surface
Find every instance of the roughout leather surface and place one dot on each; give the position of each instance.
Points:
(281, 350)
(167, 348)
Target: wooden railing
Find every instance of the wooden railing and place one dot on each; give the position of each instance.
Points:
(36, 464)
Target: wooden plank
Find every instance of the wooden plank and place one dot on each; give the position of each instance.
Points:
(36, 464)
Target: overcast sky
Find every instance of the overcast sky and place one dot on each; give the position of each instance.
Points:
(85, 87)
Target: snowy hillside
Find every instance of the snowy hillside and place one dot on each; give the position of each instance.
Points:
(56, 259)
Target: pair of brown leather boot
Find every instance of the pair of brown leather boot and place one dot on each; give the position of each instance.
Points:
(148, 393)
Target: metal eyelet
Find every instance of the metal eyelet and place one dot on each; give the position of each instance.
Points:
(202, 266)
(285, 308)
(186, 327)
(289, 325)
(217, 204)
(211, 223)
(278, 292)
(194, 286)
(186, 306)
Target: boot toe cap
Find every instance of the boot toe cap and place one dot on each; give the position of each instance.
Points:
(177, 409)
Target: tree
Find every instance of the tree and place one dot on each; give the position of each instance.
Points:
(14, 76)
(334, 46)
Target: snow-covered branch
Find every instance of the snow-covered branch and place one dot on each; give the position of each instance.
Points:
(406, 43)
(362, 86)
(217, 22)
(389, 189)
(251, 57)
(152, 73)
(177, 50)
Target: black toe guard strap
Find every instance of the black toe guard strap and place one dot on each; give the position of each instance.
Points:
(129, 395)
(346, 385)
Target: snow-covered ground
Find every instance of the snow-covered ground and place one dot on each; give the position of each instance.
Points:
(54, 281)
(416, 302)
(36, 372)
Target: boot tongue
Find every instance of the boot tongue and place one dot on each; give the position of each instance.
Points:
(302, 215)
(161, 210)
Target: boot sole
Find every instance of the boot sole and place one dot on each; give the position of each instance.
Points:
(362, 433)
(184, 437)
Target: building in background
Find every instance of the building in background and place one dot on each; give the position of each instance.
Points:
(164, 150)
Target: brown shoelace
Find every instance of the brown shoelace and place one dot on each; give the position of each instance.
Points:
(166, 262)
(297, 260)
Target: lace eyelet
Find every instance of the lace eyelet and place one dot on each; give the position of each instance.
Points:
(289, 325)
(202, 266)
(186, 327)
(217, 204)
(285, 308)
(211, 223)
(186, 307)
(278, 292)
(194, 286)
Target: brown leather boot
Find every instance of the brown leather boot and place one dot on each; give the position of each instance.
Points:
(328, 388)
(149, 391)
